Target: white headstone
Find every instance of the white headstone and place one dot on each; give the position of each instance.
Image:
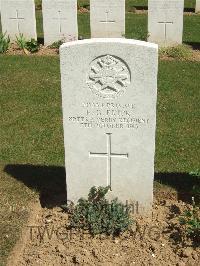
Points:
(197, 6)
(18, 16)
(59, 20)
(107, 18)
(109, 113)
(165, 21)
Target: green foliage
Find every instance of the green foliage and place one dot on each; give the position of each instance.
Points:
(136, 26)
(97, 215)
(177, 52)
(21, 41)
(4, 43)
(195, 173)
(191, 220)
(32, 46)
(56, 45)
(28, 46)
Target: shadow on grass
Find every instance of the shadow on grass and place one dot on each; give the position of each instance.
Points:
(141, 7)
(189, 9)
(186, 9)
(194, 45)
(50, 182)
(181, 182)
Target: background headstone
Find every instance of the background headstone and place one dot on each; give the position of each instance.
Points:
(197, 6)
(109, 113)
(165, 21)
(107, 18)
(18, 16)
(59, 20)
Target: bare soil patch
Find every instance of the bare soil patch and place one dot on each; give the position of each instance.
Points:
(82, 10)
(195, 56)
(155, 240)
(47, 51)
(15, 50)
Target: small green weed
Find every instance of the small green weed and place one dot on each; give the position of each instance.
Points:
(191, 220)
(183, 52)
(99, 216)
(56, 45)
(32, 46)
(195, 173)
(4, 43)
(21, 41)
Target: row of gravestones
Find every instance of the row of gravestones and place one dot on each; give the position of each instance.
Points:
(107, 19)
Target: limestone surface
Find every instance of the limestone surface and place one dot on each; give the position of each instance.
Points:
(109, 89)
(165, 22)
(18, 17)
(59, 20)
(107, 18)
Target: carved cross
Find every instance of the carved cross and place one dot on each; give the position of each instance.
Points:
(109, 155)
(18, 20)
(59, 18)
(107, 20)
(165, 23)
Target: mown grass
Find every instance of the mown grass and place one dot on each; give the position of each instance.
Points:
(177, 142)
(31, 109)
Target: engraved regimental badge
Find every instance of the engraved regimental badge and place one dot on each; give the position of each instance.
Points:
(108, 76)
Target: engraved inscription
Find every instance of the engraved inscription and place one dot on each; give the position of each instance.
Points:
(109, 115)
(108, 76)
(109, 155)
